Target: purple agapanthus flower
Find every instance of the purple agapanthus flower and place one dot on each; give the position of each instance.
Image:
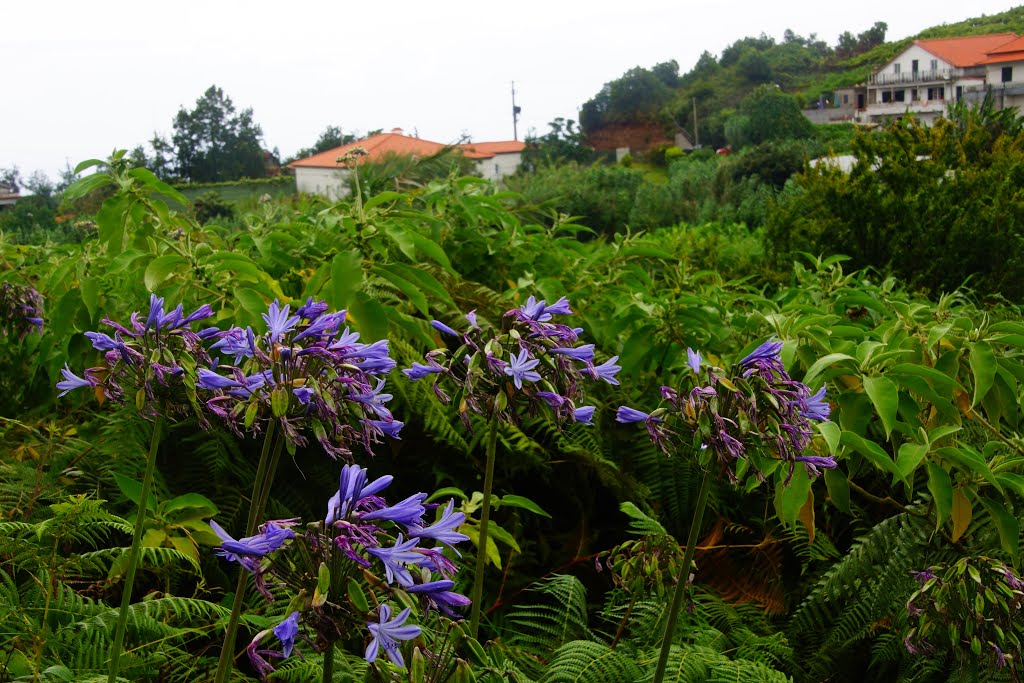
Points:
(207, 379)
(71, 381)
(693, 359)
(816, 407)
(419, 371)
(552, 399)
(816, 463)
(440, 596)
(286, 632)
(521, 368)
(408, 512)
(396, 558)
(156, 311)
(625, 414)
(304, 394)
(443, 530)
(471, 317)
(272, 536)
(583, 414)
(352, 489)
(389, 428)
(387, 633)
(607, 371)
(583, 353)
(441, 327)
(278, 321)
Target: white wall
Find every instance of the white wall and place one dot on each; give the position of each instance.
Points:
(906, 59)
(994, 73)
(500, 165)
(326, 182)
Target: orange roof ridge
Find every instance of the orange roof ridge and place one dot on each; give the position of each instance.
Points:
(966, 50)
(396, 143)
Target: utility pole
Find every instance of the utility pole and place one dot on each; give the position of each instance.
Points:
(515, 114)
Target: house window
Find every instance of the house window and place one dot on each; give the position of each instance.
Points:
(896, 68)
(959, 92)
(846, 99)
(938, 93)
(886, 96)
(1007, 74)
(913, 66)
(901, 95)
(913, 95)
(935, 65)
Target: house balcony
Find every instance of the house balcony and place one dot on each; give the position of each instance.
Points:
(900, 108)
(931, 76)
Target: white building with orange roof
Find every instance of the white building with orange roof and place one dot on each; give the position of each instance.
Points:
(326, 173)
(1004, 76)
(931, 73)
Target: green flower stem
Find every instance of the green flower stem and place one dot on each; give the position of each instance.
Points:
(133, 554)
(328, 663)
(682, 583)
(476, 595)
(260, 490)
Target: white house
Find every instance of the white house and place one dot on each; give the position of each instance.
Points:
(1004, 76)
(8, 197)
(929, 74)
(325, 175)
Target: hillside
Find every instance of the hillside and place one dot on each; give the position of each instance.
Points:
(661, 98)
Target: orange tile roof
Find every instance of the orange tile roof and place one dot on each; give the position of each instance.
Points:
(1012, 51)
(489, 149)
(966, 51)
(383, 144)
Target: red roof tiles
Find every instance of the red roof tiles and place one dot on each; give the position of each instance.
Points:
(1012, 51)
(966, 51)
(383, 144)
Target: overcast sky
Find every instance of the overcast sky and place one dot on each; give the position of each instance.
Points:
(82, 78)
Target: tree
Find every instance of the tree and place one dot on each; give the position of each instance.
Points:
(10, 178)
(329, 139)
(213, 143)
(767, 113)
(562, 144)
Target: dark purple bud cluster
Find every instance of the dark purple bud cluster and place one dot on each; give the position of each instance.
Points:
(531, 359)
(385, 548)
(152, 359)
(971, 608)
(21, 310)
(307, 370)
(749, 415)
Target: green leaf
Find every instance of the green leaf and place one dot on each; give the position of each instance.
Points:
(381, 198)
(824, 362)
(909, 457)
(934, 377)
(357, 597)
(838, 489)
(499, 534)
(941, 488)
(191, 505)
(831, 433)
(983, 367)
(968, 459)
(885, 396)
(131, 488)
(1009, 527)
(369, 317)
(149, 179)
(346, 278)
(793, 496)
(251, 300)
(961, 514)
(84, 186)
(446, 492)
(875, 454)
(161, 268)
(90, 295)
(514, 501)
(431, 249)
(1014, 482)
(410, 289)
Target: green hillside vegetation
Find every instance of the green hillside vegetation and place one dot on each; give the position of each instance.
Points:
(808, 67)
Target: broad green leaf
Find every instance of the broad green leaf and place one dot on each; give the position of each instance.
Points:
(499, 534)
(1014, 482)
(431, 249)
(381, 198)
(447, 492)
(410, 289)
(831, 433)
(961, 513)
(154, 538)
(938, 332)
(909, 457)
(84, 186)
(934, 377)
(149, 179)
(369, 317)
(885, 396)
(941, 488)
(875, 454)
(90, 288)
(983, 367)
(971, 461)
(793, 497)
(824, 362)
(251, 300)
(132, 490)
(474, 537)
(514, 501)
(838, 489)
(191, 505)
(1008, 526)
(161, 268)
(346, 278)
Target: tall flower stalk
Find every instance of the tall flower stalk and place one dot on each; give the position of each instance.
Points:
(752, 418)
(133, 554)
(529, 363)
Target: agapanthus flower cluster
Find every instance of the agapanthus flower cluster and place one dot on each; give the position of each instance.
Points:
(972, 609)
(306, 369)
(530, 359)
(152, 358)
(21, 310)
(401, 546)
(742, 417)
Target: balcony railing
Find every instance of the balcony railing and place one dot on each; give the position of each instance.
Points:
(930, 76)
